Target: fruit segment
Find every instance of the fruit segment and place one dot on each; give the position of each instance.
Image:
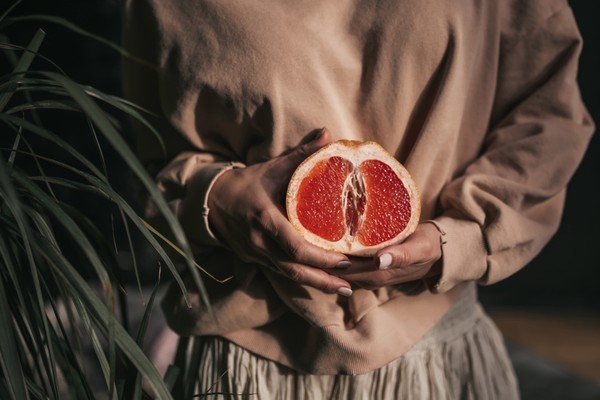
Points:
(388, 204)
(319, 198)
(368, 203)
(353, 197)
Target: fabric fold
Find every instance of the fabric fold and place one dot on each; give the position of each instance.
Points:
(461, 357)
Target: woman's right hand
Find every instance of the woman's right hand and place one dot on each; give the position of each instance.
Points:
(246, 212)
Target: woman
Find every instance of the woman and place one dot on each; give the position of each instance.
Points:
(477, 99)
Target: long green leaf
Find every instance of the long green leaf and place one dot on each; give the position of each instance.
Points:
(11, 365)
(24, 62)
(136, 382)
(35, 389)
(38, 165)
(44, 243)
(12, 270)
(75, 380)
(28, 84)
(66, 356)
(13, 203)
(100, 188)
(69, 275)
(64, 219)
(103, 189)
(29, 335)
(84, 245)
(112, 350)
(194, 367)
(43, 105)
(47, 84)
(43, 227)
(9, 9)
(52, 137)
(171, 376)
(15, 147)
(6, 45)
(9, 51)
(98, 310)
(97, 347)
(97, 116)
(69, 25)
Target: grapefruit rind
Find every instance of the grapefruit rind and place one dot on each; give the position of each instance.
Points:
(356, 152)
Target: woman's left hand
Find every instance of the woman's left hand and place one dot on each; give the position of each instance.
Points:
(408, 261)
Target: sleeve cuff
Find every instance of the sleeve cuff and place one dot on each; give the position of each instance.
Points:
(193, 213)
(464, 254)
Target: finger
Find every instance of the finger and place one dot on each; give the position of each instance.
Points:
(250, 250)
(306, 275)
(379, 278)
(417, 249)
(301, 251)
(312, 135)
(271, 256)
(291, 160)
(357, 264)
(317, 278)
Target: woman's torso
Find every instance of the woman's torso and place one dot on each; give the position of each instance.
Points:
(247, 80)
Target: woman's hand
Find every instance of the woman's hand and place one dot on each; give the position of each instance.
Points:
(408, 261)
(246, 212)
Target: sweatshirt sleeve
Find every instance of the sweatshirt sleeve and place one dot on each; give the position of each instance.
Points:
(184, 169)
(505, 207)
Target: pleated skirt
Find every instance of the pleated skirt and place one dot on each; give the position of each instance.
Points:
(462, 357)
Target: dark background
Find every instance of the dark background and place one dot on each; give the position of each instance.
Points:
(567, 272)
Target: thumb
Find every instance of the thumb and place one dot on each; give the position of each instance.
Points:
(308, 146)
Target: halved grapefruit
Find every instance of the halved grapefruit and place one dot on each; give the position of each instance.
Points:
(353, 197)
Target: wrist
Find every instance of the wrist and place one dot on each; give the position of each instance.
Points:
(464, 251)
(215, 193)
(216, 187)
(439, 233)
(194, 209)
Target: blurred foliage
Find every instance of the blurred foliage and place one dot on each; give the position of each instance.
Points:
(53, 257)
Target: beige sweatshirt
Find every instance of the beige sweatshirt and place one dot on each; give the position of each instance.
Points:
(478, 99)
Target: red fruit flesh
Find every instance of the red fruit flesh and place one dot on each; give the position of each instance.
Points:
(369, 203)
(319, 198)
(388, 204)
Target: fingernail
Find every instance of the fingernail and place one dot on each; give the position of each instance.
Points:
(385, 260)
(344, 291)
(343, 264)
(315, 135)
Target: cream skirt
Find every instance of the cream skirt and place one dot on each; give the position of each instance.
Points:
(462, 357)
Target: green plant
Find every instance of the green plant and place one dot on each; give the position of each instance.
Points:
(37, 277)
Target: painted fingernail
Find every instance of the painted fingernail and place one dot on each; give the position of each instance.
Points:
(315, 135)
(385, 260)
(343, 264)
(344, 291)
